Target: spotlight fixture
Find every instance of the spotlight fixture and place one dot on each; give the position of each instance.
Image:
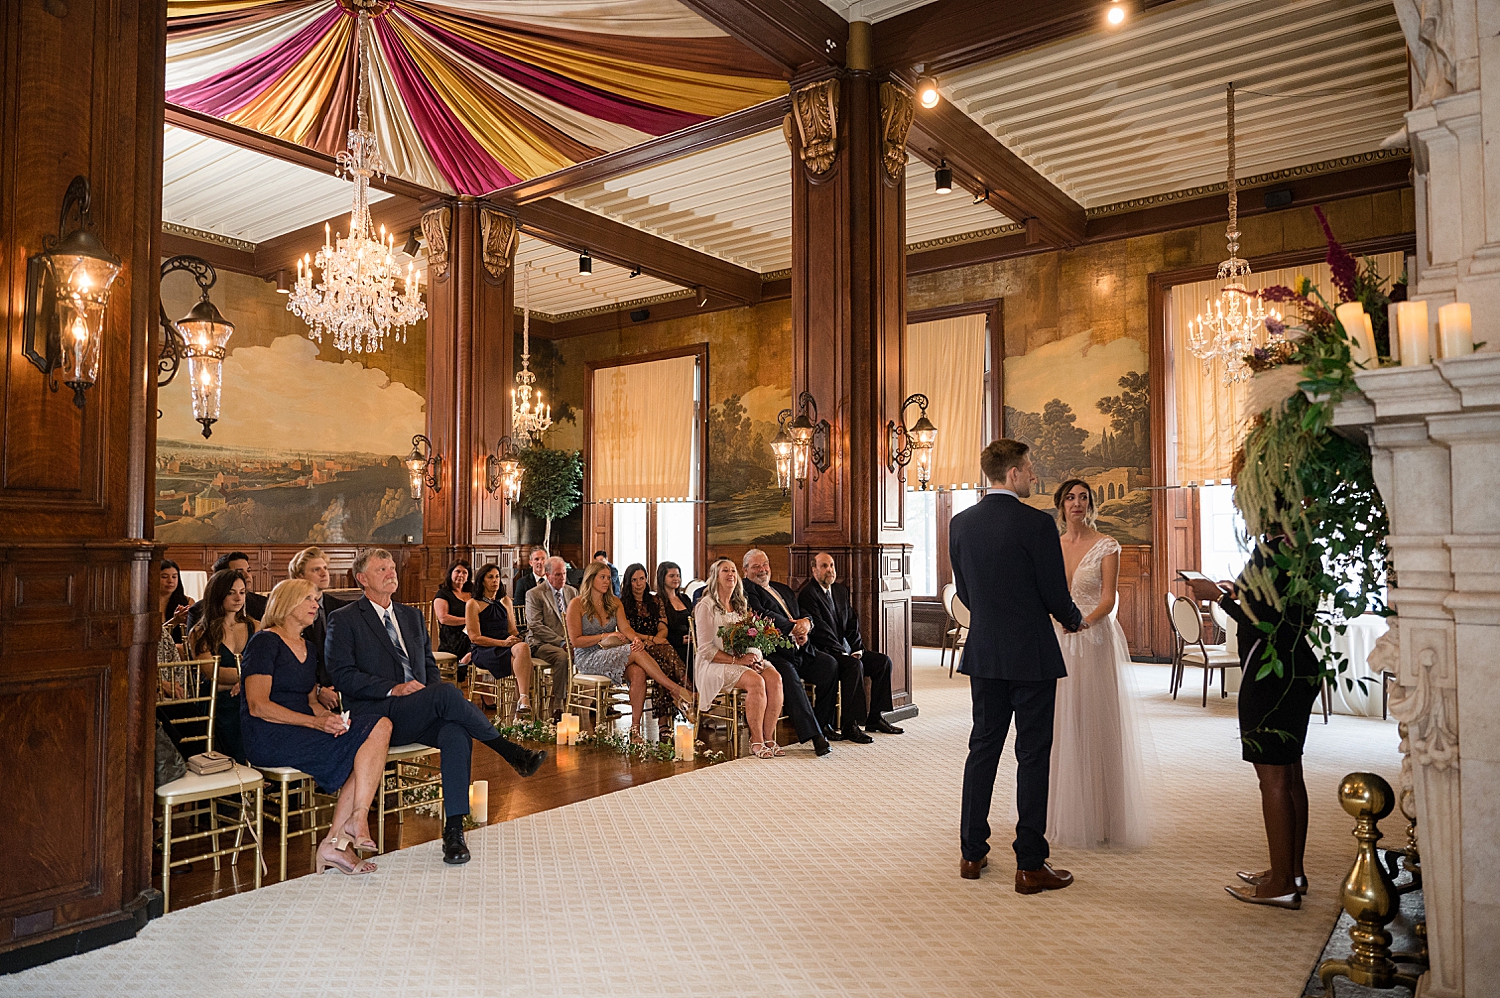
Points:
(412, 243)
(585, 263)
(282, 281)
(635, 271)
(981, 198)
(944, 178)
(1116, 14)
(702, 294)
(201, 338)
(927, 92)
(425, 466)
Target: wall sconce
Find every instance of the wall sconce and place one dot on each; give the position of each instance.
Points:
(914, 443)
(502, 470)
(424, 465)
(73, 274)
(200, 338)
(802, 442)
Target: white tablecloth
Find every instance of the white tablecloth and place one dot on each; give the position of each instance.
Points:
(1356, 643)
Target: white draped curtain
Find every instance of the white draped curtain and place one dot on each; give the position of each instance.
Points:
(641, 439)
(945, 362)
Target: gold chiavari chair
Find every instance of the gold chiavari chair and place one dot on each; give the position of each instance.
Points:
(728, 709)
(447, 664)
(408, 774)
(294, 796)
(182, 683)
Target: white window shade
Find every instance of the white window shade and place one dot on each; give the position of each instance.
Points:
(641, 436)
(945, 362)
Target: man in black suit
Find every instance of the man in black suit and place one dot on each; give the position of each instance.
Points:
(255, 603)
(527, 579)
(779, 603)
(311, 564)
(381, 659)
(836, 631)
(1008, 567)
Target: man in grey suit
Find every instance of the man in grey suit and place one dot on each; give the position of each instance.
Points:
(547, 627)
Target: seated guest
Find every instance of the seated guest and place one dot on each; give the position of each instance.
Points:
(286, 725)
(172, 601)
(644, 612)
(802, 661)
(221, 634)
(604, 644)
(381, 659)
(311, 565)
(238, 561)
(836, 631)
(527, 579)
(547, 627)
(676, 606)
(450, 610)
(722, 604)
(491, 627)
(602, 557)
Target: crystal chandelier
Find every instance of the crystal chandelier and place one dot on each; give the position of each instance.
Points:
(1229, 327)
(528, 419)
(357, 301)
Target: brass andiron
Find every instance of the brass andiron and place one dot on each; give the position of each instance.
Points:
(1369, 895)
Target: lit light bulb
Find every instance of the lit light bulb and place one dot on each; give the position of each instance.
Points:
(1116, 14)
(83, 282)
(927, 92)
(205, 380)
(80, 330)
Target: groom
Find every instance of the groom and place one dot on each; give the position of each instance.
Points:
(1008, 567)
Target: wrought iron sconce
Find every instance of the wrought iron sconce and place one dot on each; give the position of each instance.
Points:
(911, 444)
(424, 466)
(200, 338)
(502, 470)
(801, 442)
(67, 290)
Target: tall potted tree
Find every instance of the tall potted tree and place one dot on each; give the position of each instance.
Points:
(551, 485)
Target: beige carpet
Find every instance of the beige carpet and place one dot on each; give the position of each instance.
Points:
(796, 877)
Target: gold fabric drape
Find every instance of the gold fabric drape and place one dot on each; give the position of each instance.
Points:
(641, 434)
(945, 362)
(1207, 422)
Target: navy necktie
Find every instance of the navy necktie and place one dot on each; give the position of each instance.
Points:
(390, 629)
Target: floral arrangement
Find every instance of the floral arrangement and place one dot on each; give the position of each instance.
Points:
(752, 631)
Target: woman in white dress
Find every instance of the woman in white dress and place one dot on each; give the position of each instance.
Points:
(716, 670)
(1097, 787)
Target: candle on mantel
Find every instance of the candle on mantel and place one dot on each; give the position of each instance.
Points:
(1360, 332)
(1413, 333)
(1455, 331)
(479, 801)
(682, 738)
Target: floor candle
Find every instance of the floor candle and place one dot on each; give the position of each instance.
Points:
(1455, 331)
(479, 801)
(683, 741)
(1413, 333)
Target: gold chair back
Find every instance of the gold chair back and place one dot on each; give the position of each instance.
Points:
(183, 684)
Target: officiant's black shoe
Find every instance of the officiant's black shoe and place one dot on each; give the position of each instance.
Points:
(455, 849)
(820, 745)
(969, 868)
(883, 727)
(833, 734)
(1043, 878)
(858, 737)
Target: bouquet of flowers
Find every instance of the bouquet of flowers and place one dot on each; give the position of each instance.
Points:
(752, 631)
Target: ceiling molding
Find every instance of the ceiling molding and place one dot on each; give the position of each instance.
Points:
(794, 34)
(619, 306)
(965, 237)
(203, 235)
(179, 240)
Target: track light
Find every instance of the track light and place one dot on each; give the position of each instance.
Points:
(411, 245)
(635, 271)
(585, 263)
(927, 92)
(944, 178)
(1116, 14)
(982, 197)
(702, 296)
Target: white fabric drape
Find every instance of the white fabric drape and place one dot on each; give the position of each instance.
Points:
(641, 437)
(1208, 420)
(945, 362)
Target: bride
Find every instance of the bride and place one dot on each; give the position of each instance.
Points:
(1097, 785)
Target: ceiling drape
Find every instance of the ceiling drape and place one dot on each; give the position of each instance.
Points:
(945, 362)
(641, 431)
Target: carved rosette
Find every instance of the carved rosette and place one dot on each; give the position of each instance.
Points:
(896, 110)
(498, 235)
(436, 224)
(816, 108)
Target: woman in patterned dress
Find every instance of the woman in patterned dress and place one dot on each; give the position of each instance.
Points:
(647, 618)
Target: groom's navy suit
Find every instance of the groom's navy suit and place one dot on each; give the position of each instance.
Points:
(1008, 568)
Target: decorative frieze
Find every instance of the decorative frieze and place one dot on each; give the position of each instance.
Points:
(498, 234)
(896, 109)
(436, 225)
(816, 110)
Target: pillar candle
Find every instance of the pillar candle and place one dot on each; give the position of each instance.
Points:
(479, 801)
(1413, 333)
(1455, 332)
(683, 741)
(1390, 331)
(1360, 333)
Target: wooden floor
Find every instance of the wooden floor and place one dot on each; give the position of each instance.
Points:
(569, 775)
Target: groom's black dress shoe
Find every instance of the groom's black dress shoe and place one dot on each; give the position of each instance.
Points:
(1043, 878)
(881, 726)
(455, 849)
(969, 868)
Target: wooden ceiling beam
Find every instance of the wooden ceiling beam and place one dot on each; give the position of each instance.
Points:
(398, 215)
(794, 34)
(221, 256)
(563, 224)
(1010, 185)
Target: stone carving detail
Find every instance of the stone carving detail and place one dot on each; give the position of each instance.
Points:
(436, 224)
(1428, 708)
(498, 234)
(1428, 26)
(896, 109)
(816, 108)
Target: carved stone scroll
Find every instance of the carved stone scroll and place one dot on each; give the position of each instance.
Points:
(436, 224)
(896, 109)
(498, 234)
(816, 107)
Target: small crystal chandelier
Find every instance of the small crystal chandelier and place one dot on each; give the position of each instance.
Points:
(528, 420)
(1228, 328)
(357, 301)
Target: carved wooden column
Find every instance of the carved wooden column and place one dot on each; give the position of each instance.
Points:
(848, 134)
(470, 284)
(78, 615)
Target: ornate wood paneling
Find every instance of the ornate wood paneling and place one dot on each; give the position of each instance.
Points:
(268, 563)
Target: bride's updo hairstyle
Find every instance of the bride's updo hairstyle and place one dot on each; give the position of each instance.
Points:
(1091, 517)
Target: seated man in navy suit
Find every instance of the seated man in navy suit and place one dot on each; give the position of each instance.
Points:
(836, 631)
(380, 656)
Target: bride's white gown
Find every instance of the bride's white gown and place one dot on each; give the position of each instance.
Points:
(1098, 786)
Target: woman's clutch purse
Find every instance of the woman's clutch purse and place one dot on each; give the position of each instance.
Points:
(612, 641)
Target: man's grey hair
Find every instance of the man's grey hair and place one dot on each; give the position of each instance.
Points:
(547, 568)
(363, 559)
(745, 561)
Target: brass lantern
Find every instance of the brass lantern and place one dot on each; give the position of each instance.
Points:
(502, 471)
(782, 446)
(807, 440)
(914, 443)
(201, 338)
(424, 466)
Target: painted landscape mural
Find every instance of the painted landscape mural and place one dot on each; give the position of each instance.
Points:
(745, 506)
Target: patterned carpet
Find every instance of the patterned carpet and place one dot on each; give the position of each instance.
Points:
(796, 877)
